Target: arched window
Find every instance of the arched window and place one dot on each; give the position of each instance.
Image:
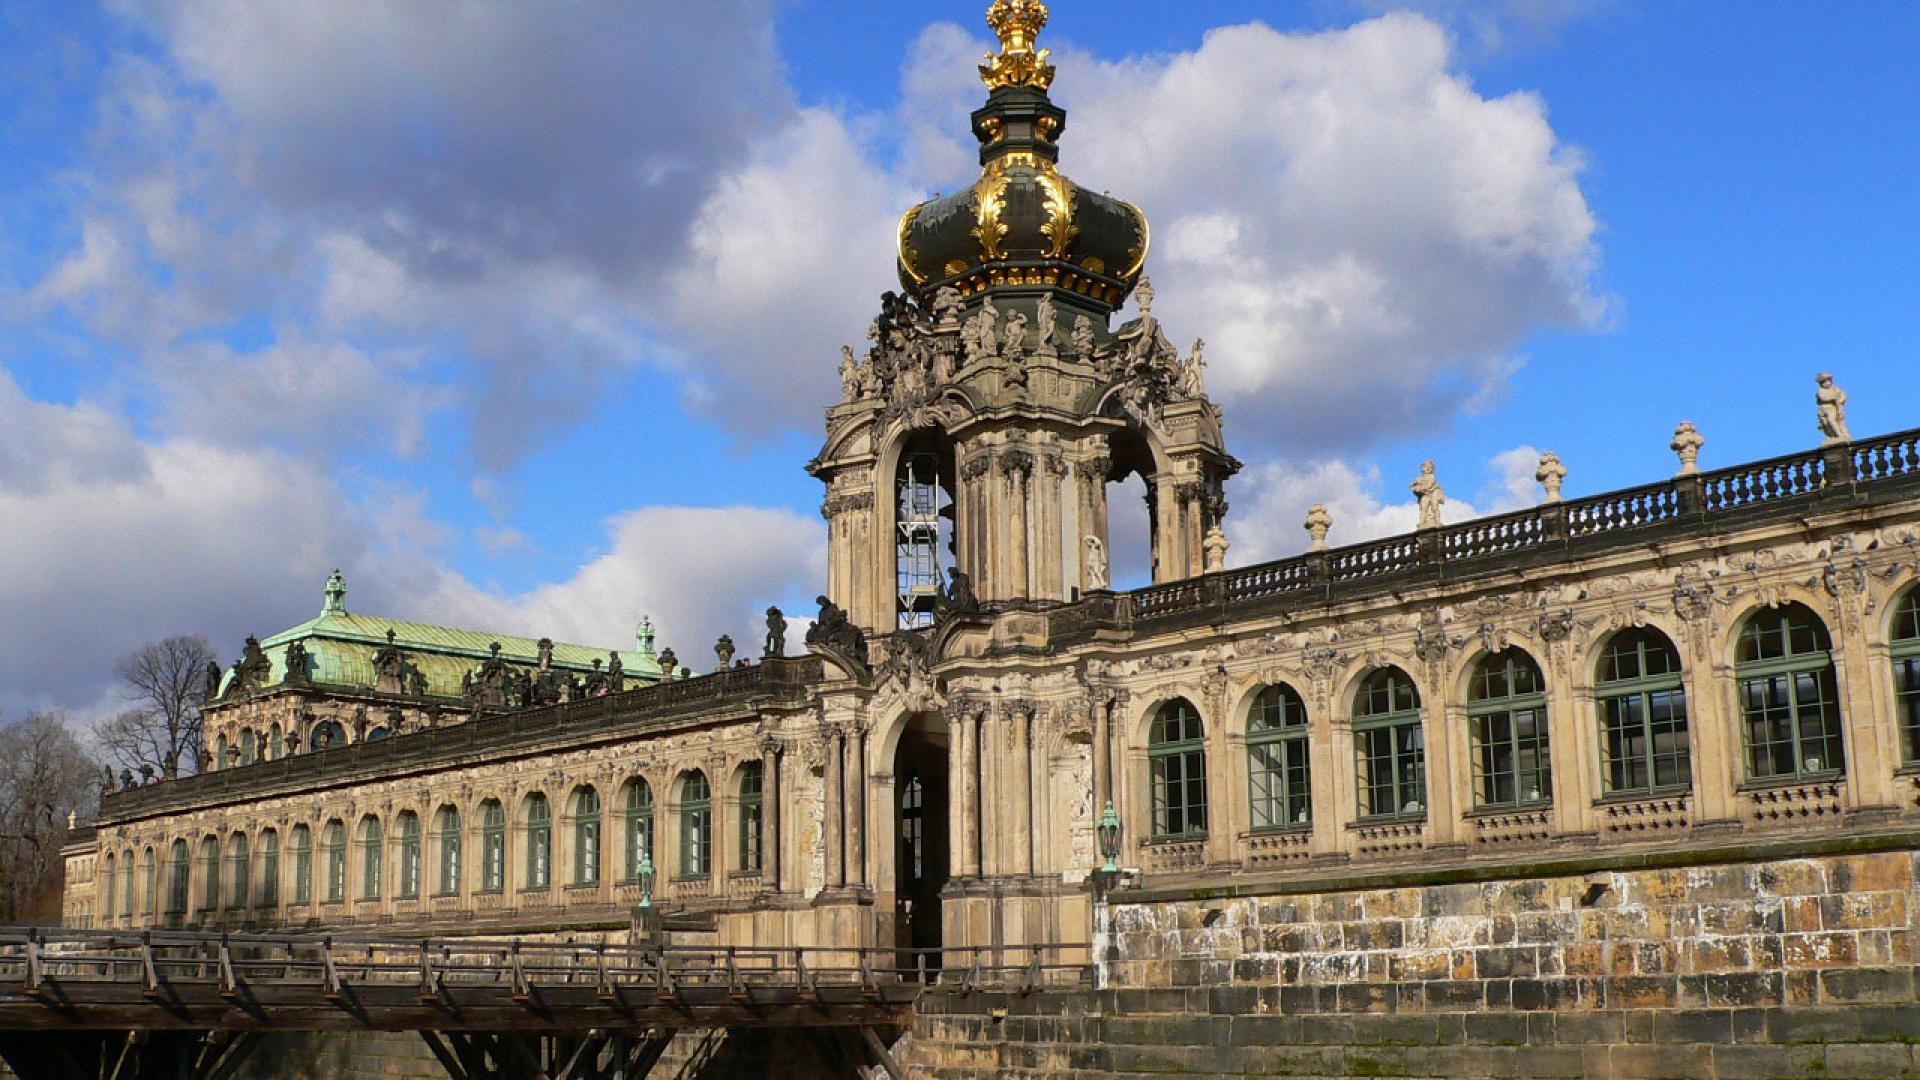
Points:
(334, 841)
(586, 837)
(276, 744)
(1643, 715)
(493, 846)
(1507, 708)
(913, 830)
(108, 883)
(209, 873)
(249, 746)
(239, 869)
(373, 857)
(181, 879)
(750, 817)
(269, 869)
(223, 753)
(1279, 782)
(447, 828)
(639, 813)
(327, 733)
(378, 733)
(696, 826)
(1177, 764)
(302, 865)
(539, 842)
(1789, 703)
(409, 855)
(1906, 673)
(1390, 747)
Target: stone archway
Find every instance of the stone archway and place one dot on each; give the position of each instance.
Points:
(922, 862)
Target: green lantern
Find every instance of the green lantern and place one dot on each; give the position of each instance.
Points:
(1108, 831)
(646, 879)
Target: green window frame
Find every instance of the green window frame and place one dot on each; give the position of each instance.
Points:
(269, 868)
(586, 837)
(1905, 649)
(180, 887)
(539, 842)
(1789, 696)
(447, 826)
(493, 846)
(1390, 748)
(410, 840)
(696, 826)
(1177, 771)
(1512, 754)
(1279, 774)
(373, 857)
(209, 873)
(239, 869)
(751, 816)
(334, 843)
(1645, 745)
(302, 864)
(639, 816)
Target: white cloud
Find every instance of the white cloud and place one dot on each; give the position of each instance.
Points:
(698, 573)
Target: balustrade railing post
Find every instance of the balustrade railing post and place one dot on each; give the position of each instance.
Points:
(1838, 473)
(1692, 495)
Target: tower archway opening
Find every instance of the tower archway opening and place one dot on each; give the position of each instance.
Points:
(923, 525)
(921, 862)
(1133, 519)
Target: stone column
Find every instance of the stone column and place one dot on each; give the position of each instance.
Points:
(1022, 778)
(833, 749)
(1862, 671)
(771, 818)
(971, 508)
(1099, 703)
(726, 803)
(857, 806)
(1713, 716)
(1446, 796)
(993, 805)
(1018, 467)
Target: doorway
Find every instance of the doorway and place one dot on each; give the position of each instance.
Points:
(921, 864)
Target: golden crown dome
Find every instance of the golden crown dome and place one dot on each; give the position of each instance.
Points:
(1017, 23)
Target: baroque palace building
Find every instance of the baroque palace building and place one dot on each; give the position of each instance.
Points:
(1708, 677)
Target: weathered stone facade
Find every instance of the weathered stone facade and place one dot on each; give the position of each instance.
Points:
(1623, 785)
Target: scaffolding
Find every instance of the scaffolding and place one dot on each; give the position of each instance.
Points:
(917, 538)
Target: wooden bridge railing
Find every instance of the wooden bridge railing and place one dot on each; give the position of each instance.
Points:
(314, 969)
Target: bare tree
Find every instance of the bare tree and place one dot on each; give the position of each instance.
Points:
(46, 779)
(166, 684)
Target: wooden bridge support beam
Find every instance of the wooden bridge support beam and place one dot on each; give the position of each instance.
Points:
(599, 1055)
(127, 1055)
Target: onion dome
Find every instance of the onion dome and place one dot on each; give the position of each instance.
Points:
(1023, 223)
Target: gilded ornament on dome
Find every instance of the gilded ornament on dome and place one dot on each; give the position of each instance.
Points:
(990, 198)
(908, 256)
(1059, 196)
(1017, 23)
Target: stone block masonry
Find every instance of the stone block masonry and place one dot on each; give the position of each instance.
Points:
(1828, 930)
(1782, 967)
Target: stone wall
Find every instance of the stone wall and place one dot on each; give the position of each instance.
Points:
(1832, 929)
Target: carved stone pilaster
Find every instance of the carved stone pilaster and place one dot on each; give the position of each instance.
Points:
(1017, 463)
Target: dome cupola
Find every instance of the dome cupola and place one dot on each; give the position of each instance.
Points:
(1023, 225)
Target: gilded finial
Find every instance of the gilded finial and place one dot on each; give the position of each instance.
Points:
(1018, 23)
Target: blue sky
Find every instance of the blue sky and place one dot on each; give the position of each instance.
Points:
(528, 322)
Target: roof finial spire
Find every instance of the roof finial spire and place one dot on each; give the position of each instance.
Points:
(336, 594)
(1018, 23)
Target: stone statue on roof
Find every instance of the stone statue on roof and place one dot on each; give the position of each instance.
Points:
(776, 643)
(1426, 487)
(1832, 404)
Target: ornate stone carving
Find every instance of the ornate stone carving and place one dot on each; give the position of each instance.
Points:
(835, 635)
(1017, 463)
(1095, 469)
(1215, 546)
(1319, 522)
(976, 467)
(1096, 563)
(1831, 403)
(1426, 488)
(1687, 442)
(1550, 475)
(775, 643)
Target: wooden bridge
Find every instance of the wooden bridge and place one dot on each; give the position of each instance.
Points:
(101, 1005)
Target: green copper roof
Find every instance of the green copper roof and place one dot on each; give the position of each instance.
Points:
(341, 647)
